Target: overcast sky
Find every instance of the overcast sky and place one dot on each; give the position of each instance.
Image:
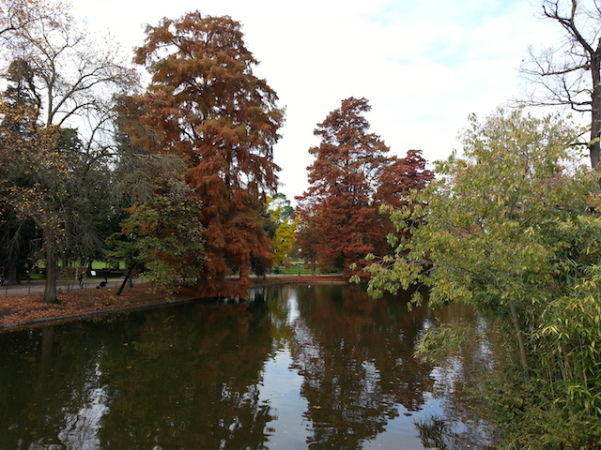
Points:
(423, 65)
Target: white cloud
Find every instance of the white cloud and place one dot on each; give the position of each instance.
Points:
(424, 66)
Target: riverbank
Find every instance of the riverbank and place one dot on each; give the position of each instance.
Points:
(28, 311)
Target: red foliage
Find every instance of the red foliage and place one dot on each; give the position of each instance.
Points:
(351, 177)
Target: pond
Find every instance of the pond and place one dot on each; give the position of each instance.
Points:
(296, 367)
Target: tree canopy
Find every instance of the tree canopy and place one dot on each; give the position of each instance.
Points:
(55, 126)
(507, 228)
(205, 105)
(351, 177)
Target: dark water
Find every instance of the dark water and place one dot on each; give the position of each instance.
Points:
(321, 367)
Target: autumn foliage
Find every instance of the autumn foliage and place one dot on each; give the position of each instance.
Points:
(55, 136)
(284, 224)
(205, 105)
(351, 178)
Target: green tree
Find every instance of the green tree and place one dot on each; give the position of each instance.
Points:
(17, 243)
(162, 233)
(285, 221)
(508, 229)
(18, 125)
(34, 179)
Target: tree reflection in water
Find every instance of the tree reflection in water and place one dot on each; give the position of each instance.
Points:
(210, 376)
(355, 354)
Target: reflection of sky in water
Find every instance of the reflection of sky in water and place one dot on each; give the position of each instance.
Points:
(400, 431)
(281, 390)
(289, 430)
(293, 312)
(296, 381)
(80, 429)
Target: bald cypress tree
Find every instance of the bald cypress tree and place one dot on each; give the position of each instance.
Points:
(351, 177)
(205, 105)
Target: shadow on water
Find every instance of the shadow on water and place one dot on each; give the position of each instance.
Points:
(297, 367)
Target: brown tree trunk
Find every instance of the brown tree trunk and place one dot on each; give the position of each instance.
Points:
(51, 271)
(127, 277)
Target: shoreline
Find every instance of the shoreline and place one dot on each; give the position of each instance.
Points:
(29, 311)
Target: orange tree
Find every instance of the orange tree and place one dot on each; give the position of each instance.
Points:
(351, 178)
(205, 105)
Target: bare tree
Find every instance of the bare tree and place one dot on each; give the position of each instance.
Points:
(570, 73)
(73, 74)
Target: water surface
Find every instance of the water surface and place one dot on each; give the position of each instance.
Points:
(320, 367)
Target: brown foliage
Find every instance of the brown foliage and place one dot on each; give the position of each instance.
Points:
(205, 105)
(27, 311)
(351, 177)
(76, 304)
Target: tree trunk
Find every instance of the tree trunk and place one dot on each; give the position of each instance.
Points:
(11, 274)
(245, 270)
(594, 145)
(127, 277)
(51, 271)
(519, 336)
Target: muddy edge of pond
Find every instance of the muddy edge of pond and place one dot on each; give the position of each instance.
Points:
(25, 312)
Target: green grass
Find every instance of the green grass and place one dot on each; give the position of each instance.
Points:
(101, 265)
(96, 265)
(69, 274)
(298, 268)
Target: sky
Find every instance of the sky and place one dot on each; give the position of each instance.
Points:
(424, 66)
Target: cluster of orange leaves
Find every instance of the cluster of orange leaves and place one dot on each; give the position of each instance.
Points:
(30, 310)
